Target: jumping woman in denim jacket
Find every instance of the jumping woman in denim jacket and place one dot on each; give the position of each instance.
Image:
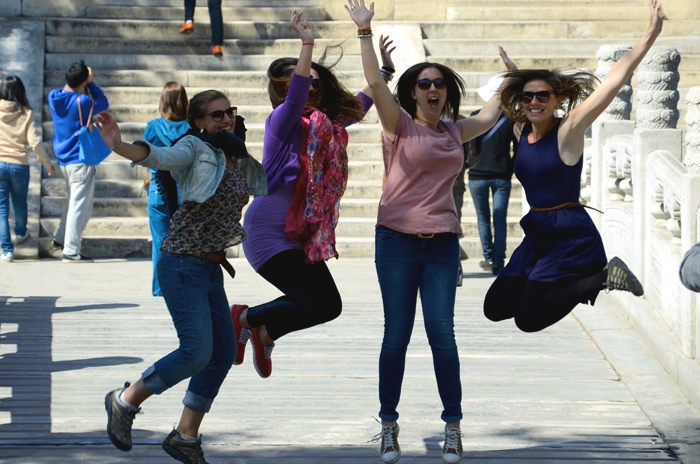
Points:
(216, 175)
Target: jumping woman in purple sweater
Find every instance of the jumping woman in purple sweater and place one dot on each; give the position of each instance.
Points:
(290, 232)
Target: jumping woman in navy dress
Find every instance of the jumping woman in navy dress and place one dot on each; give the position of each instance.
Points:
(561, 261)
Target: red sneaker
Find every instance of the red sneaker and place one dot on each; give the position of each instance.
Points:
(261, 356)
(242, 334)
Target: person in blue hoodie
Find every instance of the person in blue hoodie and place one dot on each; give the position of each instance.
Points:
(80, 178)
(162, 132)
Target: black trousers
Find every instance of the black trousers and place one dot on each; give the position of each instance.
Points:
(537, 305)
(310, 295)
(215, 18)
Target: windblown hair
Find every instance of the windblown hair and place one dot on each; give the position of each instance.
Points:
(198, 105)
(173, 102)
(407, 82)
(12, 89)
(333, 99)
(571, 84)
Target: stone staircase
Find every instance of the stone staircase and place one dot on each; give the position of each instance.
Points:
(134, 48)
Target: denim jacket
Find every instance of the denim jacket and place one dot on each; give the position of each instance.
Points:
(198, 168)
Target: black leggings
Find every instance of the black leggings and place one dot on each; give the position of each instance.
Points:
(310, 295)
(537, 305)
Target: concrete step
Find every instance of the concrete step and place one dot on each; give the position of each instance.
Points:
(547, 47)
(187, 46)
(104, 188)
(517, 12)
(110, 169)
(200, 79)
(359, 133)
(201, 15)
(103, 247)
(122, 227)
(101, 207)
(501, 27)
(101, 62)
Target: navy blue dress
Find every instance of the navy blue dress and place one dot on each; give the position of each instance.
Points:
(562, 245)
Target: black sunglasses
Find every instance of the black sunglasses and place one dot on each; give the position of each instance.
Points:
(218, 115)
(424, 84)
(316, 83)
(542, 96)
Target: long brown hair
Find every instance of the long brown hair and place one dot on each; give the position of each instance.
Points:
(407, 82)
(572, 84)
(332, 98)
(173, 102)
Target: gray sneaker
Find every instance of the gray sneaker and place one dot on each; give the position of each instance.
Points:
(621, 278)
(186, 451)
(119, 419)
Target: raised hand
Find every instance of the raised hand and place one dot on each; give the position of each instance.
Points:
(656, 20)
(109, 130)
(510, 66)
(386, 50)
(302, 27)
(359, 12)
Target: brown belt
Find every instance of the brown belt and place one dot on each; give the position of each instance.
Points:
(217, 258)
(572, 204)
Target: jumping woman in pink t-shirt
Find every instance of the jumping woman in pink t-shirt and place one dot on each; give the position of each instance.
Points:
(416, 244)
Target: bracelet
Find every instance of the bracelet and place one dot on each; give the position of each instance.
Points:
(116, 146)
(308, 43)
(365, 36)
(366, 31)
(387, 75)
(388, 69)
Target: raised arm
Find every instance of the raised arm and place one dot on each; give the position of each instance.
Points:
(387, 108)
(578, 119)
(113, 139)
(388, 68)
(488, 115)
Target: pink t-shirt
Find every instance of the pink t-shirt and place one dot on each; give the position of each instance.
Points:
(421, 167)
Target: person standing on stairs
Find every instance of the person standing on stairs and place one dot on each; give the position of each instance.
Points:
(79, 91)
(216, 175)
(162, 132)
(416, 239)
(215, 19)
(291, 231)
(561, 261)
(17, 130)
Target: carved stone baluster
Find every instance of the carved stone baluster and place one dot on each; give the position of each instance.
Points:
(621, 106)
(657, 96)
(692, 131)
(656, 208)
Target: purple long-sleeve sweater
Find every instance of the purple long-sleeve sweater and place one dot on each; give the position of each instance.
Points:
(265, 217)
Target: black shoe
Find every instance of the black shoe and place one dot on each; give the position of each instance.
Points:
(120, 417)
(621, 278)
(56, 244)
(186, 451)
(76, 259)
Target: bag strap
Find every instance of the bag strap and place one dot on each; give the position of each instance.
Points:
(88, 122)
(498, 124)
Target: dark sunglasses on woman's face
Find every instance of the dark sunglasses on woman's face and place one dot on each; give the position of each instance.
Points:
(542, 96)
(218, 115)
(424, 84)
(316, 83)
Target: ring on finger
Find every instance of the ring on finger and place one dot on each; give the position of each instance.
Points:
(353, 7)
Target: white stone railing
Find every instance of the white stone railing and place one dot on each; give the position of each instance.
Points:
(647, 183)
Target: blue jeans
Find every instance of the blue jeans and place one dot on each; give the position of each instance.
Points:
(494, 247)
(159, 223)
(193, 289)
(405, 265)
(14, 184)
(216, 20)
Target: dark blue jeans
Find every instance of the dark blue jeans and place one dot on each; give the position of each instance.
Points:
(14, 185)
(493, 246)
(193, 289)
(407, 264)
(215, 18)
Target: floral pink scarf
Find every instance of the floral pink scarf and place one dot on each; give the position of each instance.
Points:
(323, 175)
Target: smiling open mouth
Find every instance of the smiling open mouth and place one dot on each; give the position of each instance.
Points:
(433, 102)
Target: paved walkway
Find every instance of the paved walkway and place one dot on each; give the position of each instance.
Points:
(585, 390)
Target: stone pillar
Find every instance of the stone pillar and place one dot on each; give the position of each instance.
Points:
(621, 107)
(657, 96)
(692, 131)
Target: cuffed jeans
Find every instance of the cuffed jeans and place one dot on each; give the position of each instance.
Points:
(405, 265)
(493, 246)
(193, 289)
(14, 185)
(80, 183)
(215, 18)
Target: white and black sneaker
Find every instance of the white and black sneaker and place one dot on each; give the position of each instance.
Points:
(76, 258)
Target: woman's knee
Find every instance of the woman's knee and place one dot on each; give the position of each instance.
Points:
(527, 324)
(194, 359)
